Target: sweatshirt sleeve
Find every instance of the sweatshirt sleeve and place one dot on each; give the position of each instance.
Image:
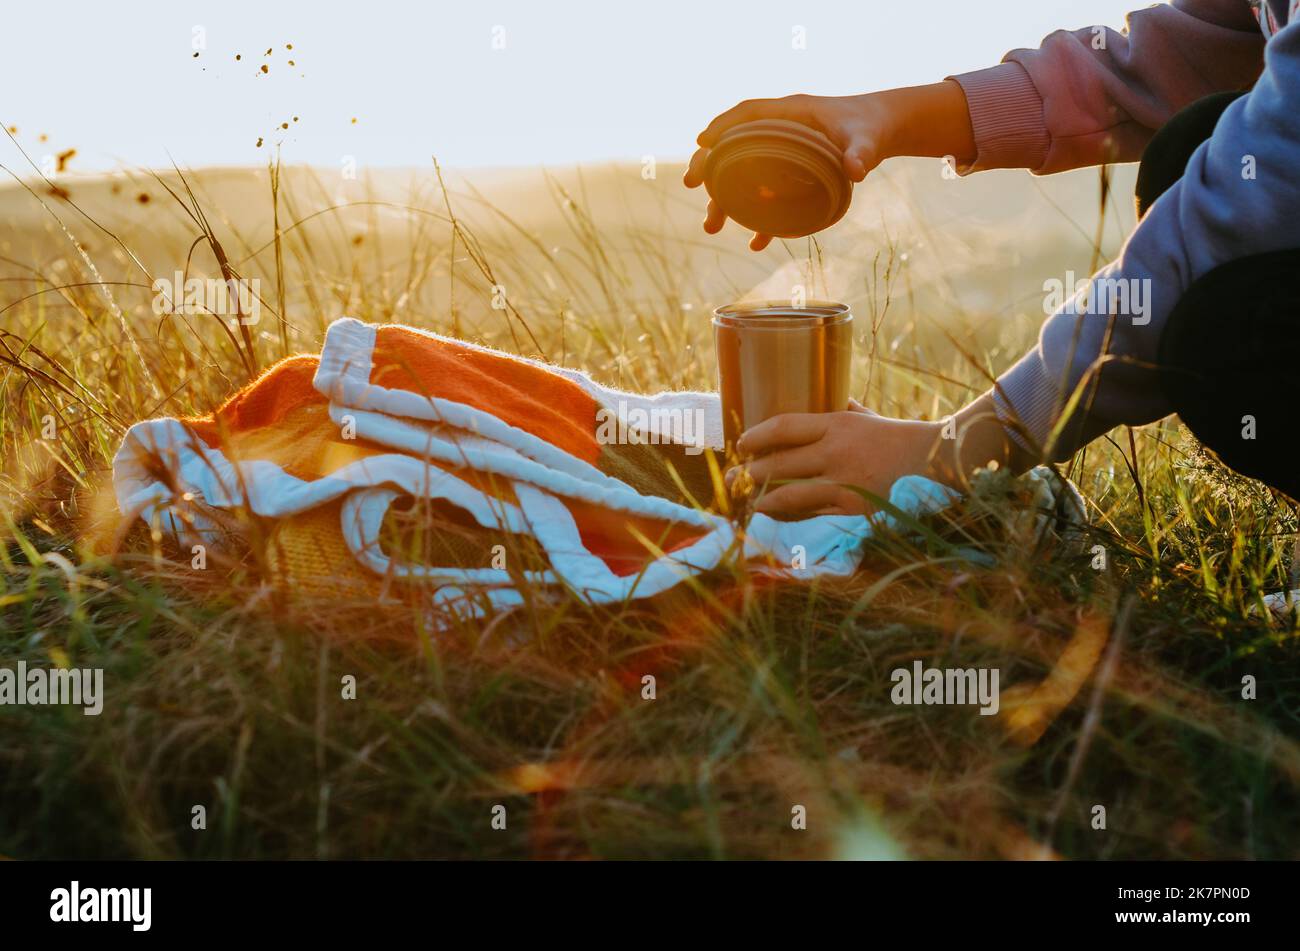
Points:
(1096, 95)
(1239, 196)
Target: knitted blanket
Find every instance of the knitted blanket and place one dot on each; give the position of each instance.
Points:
(401, 455)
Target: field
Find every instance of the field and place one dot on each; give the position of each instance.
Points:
(223, 689)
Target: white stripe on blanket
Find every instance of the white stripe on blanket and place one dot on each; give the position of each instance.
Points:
(417, 427)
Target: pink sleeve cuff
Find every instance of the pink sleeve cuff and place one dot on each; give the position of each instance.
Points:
(1006, 115)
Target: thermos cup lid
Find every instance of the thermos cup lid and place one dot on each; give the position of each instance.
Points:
(778, 177)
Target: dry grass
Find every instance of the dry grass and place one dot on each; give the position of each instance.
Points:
(1121, 687)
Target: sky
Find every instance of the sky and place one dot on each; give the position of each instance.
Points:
(478, 84)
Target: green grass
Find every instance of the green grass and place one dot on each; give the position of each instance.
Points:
(225, 692)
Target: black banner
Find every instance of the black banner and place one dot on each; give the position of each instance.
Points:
(136, 901)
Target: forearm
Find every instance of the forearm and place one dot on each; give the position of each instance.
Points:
(930, 121)
(970, 440)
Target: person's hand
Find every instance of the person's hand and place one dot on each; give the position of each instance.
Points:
(855, 124)
(806, 462)
(928, 120)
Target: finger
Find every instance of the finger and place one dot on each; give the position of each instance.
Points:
(856, 407)
(694, 176)
(759, 242)
(714, 218)
(789, 429)
(745, 111)
(799, 498)
(805, 462)
(858, 154)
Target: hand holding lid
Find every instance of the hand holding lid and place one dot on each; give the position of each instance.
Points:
(786, 167)
(778, 177)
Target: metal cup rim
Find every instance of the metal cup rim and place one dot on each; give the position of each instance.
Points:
(778, 314)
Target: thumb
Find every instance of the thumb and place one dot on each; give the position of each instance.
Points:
(860, 157)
